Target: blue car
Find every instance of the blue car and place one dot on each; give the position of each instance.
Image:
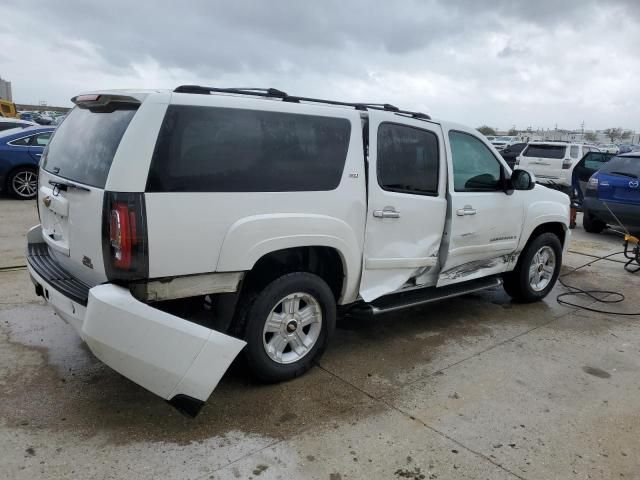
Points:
(20, 152)
(613, 195)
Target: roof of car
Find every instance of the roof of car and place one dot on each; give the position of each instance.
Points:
(630, 154)
(23, 132)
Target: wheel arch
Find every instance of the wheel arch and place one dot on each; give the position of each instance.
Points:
(326, 262)
(300, 239)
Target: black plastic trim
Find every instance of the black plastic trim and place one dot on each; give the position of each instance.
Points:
(57, 277)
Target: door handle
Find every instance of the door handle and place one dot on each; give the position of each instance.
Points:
(387, 212)
(467, 210)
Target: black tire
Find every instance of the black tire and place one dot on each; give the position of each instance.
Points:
(22, 183)
(255, 311)
(517, 283)
(592, 224)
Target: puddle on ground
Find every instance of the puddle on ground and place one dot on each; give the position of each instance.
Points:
(50, 380)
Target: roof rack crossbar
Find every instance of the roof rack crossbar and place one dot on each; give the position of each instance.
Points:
(275, 93)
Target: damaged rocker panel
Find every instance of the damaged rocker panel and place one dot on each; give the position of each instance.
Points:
(187, 286)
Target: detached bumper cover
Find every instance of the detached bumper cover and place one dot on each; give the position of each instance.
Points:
(166, 354)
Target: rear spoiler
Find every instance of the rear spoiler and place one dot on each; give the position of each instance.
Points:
(105, 102)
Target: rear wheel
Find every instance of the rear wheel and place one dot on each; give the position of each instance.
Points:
(537, 269)
(287, 326)
(592, 224)
(23, 183)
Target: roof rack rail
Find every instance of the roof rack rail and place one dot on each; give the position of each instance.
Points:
(275, 93)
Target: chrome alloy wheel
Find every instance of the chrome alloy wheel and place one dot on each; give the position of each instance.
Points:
(542, 268)
(292, 328)
(25, 184)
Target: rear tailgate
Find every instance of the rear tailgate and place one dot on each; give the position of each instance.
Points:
(73, 174)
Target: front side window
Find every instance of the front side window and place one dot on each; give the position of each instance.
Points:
(214, 149)
(408, 159)
(475, 169)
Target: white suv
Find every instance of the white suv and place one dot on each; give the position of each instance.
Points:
(181, 227)
(552, 162)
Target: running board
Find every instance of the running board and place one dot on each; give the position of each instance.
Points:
(416, 297)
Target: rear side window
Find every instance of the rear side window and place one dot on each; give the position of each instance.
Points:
(211, 149)
(573, 151)
(407, 159)
(623, 166)
(545, 151)
(84, 145)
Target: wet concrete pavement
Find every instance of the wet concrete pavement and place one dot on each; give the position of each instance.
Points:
(475, 387)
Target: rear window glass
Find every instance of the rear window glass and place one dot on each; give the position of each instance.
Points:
(622, 166)
(546, 151)
(211, 149)
(84, 145)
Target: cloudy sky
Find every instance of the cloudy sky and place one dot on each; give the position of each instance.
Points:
(502, 63)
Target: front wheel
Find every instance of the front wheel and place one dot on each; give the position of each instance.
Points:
(287, 326)
(537, 269)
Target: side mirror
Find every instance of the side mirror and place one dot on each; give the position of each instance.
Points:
(522, 180)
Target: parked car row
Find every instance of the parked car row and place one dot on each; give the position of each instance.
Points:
(42, 118)
(20, 152)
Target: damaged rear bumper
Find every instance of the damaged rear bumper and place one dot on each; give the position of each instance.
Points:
(174, 358)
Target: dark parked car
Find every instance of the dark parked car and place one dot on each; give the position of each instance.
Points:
(20, 152)
(511, 152)
(617, 184)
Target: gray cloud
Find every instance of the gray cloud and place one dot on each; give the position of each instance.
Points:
(501, 63)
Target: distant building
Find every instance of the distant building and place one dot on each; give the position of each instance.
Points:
(5, 90)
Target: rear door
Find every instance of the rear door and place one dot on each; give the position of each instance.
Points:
(407, 204)
(588, 165)
(74, 171)
(545, 161)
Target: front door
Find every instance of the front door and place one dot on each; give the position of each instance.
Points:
(407, 203)
(484, 223)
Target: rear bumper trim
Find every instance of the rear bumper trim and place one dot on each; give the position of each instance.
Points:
(57, 277)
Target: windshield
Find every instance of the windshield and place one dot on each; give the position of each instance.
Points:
(84, 145)
(546, 151)
(628, 166)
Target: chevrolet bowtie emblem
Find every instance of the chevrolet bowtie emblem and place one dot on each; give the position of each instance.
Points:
(47, 201)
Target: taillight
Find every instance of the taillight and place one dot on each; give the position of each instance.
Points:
(566, 163)
(122, 223)
(125, 236)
